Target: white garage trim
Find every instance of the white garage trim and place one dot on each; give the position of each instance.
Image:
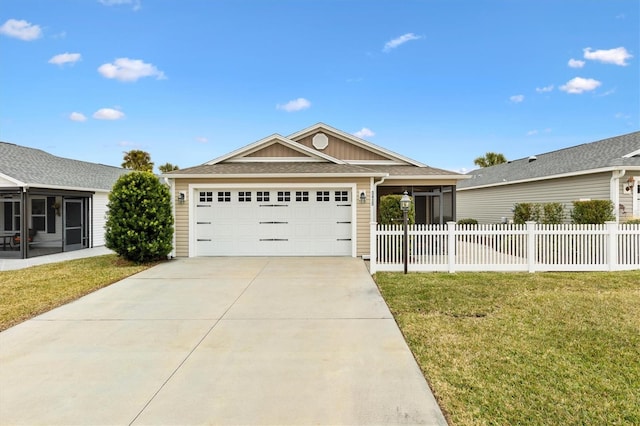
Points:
(192, 197)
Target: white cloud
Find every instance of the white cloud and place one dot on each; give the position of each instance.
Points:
(532, 132)
(295, 105)
(137, 4)
(576, 63)
(392, 44)
(125, 69)
(125, 143)
(616, 56)
(202, 139)
(580, 85)
(21, 29)
(108, 114)
(77, 116)
(65, 58)
(516, 98)
(364, 133)
(544, 89)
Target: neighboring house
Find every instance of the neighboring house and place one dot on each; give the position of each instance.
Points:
(604, 170)
(314, 192)
(51, 204)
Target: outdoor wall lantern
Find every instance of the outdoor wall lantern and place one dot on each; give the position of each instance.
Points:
(405, 204)
(363, 197)
(181, 197)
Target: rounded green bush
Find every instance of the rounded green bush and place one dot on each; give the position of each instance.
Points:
(139, 220)
(390, 211)
(467, 221)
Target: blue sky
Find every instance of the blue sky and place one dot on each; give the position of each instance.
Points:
(440, 81)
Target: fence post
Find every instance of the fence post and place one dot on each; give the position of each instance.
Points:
(451, 245)
(612, 245)
(531, 245)
(373, 248)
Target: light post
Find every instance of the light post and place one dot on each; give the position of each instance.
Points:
(405, 204)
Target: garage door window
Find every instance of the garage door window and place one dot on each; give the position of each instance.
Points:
(206, 197)
(224, 197)
(262, 196)
(284, 196)
(322, 196)
(244, 197)
(342, 196)
(302, 195)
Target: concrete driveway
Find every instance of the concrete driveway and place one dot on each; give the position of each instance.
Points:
(218, 341)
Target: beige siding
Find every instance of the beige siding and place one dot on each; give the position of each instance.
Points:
(277, 150)
(489, 205)
(182, 210)
(626, 199)
(341, 149)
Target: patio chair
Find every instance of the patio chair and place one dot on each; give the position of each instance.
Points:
(30, 236)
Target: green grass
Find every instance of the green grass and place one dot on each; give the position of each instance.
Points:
(25, 293)
(530, 349)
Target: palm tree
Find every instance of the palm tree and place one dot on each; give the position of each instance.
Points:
(490, 159)
(168, 167)
(137, 160)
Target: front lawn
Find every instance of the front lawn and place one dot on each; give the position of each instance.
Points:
(530, 349)
(25, 293)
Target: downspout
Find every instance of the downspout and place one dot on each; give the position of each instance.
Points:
(374, 204)
(172, 190)
(614, 190)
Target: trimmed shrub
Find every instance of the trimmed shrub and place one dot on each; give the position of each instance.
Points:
(633, 222)
(553, 213)
(467, 221)
(390, 211)
(593, 211)
(524, 212)
(139, 221)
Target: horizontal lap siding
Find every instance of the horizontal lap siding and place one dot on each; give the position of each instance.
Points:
(489, 205)
(182, 210)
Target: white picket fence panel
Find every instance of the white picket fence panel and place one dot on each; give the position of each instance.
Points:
(506, 247)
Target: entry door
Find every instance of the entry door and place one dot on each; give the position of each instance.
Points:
(73, 225)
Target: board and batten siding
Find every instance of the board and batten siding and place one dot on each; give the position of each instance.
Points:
(363, 217)
(100, 200)
(490, 205)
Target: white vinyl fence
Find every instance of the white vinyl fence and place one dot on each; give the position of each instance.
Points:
(506, 247)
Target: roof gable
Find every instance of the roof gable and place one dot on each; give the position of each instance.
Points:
(349, 148)
(275, 148)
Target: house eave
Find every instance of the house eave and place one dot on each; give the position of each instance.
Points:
(270, 175)
(548, 177)
(422, 177)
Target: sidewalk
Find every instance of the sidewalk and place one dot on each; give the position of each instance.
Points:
(12, 264)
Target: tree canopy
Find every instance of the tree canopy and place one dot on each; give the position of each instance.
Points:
(490, 159)
(168, 167)
(137, 160)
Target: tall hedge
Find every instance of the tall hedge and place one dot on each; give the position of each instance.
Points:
(139, 220)
(593, 211)
(390, 211)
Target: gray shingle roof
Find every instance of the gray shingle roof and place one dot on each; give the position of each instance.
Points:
(38, 168)
(605, 153)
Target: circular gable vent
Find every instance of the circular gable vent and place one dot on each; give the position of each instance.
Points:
(320, 141)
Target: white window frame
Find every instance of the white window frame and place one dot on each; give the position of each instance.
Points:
(43, 215)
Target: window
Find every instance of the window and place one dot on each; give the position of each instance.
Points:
(342, 195)
(39, 214)
(11, 216)
(262, 196)
(284, 196)
(224, 197)
(302, 195)
(322, 196)
(206, 197)
(244, 197)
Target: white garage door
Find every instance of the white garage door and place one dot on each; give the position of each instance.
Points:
(268, 222)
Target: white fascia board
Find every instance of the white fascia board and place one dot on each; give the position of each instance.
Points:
(632, 154)
(421, 177)
(65, 188)
(274, 175)
(357, 141)
(269, 140)
(558, 176)
(12, 180)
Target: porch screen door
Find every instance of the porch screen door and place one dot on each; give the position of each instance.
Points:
(73, 225)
